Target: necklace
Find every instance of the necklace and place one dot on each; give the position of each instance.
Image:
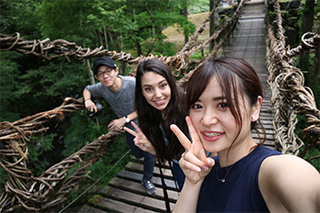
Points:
(225, 176)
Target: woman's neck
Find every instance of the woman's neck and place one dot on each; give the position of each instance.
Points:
(238, 151)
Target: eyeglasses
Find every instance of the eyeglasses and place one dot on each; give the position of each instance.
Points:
(107, 72)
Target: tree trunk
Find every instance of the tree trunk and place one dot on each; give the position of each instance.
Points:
(90, 72)
(311, 78)
(185, 14)
(306, 27)
(212, 26)
(315, 74)
(105, 37)
(138, 46)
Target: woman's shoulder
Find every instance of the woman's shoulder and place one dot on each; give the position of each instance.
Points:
(286, 161)
(278, 168)
(285, 179)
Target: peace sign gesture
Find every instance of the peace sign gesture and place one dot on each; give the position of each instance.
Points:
(140, 139)
(193, 161)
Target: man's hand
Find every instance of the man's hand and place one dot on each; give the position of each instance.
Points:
(90, 106)
(117, 124)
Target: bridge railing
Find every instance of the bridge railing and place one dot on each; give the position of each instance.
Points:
(289, 95)
(50, 188)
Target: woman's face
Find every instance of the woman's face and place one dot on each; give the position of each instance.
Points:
(156, 90)
(214, 121)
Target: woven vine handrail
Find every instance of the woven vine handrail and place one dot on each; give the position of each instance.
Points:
(50, 189)
(289, 95)
(40, 193)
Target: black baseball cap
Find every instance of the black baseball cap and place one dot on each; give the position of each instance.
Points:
(105, 60)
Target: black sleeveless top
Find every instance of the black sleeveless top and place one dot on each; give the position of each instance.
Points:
(240, 192)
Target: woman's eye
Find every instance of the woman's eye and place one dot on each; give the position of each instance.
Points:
(196, 106)
(163, 85)
(147, 89)
(222, 105)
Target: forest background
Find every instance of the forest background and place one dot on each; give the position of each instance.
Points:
(29, 85)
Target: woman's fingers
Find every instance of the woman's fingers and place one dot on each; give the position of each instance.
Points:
(181, 137)
(197, 144)
(136, 127)
(196, 163)
(141, 146)
(193, 132)
(130, 131)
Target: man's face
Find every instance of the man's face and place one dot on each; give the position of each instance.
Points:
(106, 75)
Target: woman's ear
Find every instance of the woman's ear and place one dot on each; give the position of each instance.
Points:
(256, 109)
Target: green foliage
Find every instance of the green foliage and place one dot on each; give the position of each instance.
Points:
(19, 16)
(39, 147)
(312, 149)
(66, 19)
(82, 129)
(9, 75)
(313, 152)
(39, 89)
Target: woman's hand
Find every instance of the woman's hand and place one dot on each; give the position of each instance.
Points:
(140, 139)
(193, 161)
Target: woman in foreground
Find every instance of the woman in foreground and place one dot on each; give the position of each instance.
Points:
(224, 97)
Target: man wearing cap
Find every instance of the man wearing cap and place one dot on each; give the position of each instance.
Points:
(118, 91)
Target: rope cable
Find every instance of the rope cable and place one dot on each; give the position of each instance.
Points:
(94, 182)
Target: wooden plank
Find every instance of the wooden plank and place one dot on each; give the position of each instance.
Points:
(138, 177)
(112, 205)
(86, 209)
(141, 201)
(138, 167)
(139, 189)
(268, 136)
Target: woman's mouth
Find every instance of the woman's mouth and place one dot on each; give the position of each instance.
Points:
(160, 102)
(212, 136)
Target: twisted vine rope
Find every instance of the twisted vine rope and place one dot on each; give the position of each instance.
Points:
(40, 193)
(50, 189)
(289, 95)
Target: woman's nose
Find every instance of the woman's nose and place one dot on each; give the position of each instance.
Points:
(209, 118)
(158, 93)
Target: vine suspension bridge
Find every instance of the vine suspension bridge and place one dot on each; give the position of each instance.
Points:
(248, 34)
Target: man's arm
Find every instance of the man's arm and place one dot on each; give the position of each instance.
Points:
(118, 124)
(88, 102)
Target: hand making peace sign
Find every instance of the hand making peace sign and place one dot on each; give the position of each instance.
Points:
(194, 162)
(140, 139)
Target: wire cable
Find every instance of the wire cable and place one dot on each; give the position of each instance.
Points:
(95, 182)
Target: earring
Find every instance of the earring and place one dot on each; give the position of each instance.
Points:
(254, 117)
